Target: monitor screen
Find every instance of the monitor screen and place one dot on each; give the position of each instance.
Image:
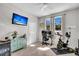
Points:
(18, 19)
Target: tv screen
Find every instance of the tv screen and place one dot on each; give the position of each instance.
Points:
(18, 19)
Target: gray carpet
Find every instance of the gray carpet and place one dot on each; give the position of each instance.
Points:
(59, 53)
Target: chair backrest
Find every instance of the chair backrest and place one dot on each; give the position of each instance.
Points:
(44, 35)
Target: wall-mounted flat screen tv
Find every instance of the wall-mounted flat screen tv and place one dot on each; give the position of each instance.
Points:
(18, 19)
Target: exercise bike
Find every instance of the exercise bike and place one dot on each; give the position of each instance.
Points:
(61, 44)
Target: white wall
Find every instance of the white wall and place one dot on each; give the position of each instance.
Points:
(77, 23)
(6, 26)
(71, 20)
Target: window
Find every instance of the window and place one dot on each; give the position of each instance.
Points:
(48, 23)
(57, 22)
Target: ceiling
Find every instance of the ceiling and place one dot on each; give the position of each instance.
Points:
(36, 8)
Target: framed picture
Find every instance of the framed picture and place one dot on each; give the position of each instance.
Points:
(42, 25)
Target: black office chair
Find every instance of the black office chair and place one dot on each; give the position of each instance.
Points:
(44, 38)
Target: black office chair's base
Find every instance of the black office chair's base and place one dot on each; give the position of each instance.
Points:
(45, 43)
